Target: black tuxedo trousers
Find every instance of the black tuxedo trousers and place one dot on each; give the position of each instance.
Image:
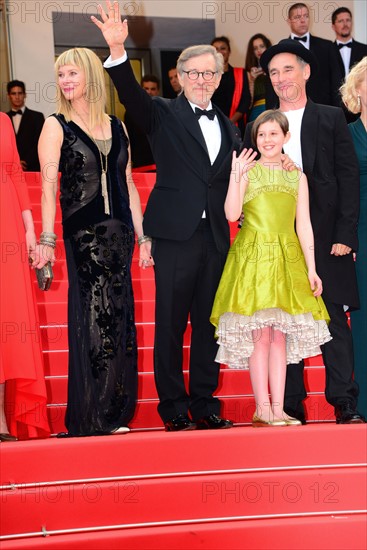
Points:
(187, 274)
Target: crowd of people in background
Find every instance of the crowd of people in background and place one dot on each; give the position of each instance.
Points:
(213, 122)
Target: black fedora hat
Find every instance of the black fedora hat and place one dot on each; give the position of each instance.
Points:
(288, 45)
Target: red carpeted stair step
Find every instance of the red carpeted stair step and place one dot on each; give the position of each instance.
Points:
(319, 532)
(104, 482)
(239, 408)
(231, 383)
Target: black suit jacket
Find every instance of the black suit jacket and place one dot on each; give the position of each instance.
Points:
(186, 181)
(27, 138)
(358, 51)
(319, 86)
(331, 167)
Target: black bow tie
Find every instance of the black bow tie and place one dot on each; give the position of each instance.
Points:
(18, 112)
(347, 45)
(301, 38)
(200, 112)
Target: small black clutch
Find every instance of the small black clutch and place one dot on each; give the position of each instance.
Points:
(44, 276)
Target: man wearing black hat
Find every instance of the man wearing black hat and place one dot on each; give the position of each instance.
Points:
(321, 145)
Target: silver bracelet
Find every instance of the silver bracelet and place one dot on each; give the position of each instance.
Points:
(51, 244)
(48, 235)
(143, 239)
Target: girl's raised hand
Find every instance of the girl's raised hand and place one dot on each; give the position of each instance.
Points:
(242, 163)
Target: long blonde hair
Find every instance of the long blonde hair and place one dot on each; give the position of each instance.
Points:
(349, 89)
(95, 88)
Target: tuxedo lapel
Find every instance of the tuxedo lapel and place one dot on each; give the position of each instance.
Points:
(339, 58)
(353, 55)
(11, 118)
(309, 129)
(190, 121)
(227, 142)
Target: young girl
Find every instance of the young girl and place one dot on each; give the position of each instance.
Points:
(267, 310)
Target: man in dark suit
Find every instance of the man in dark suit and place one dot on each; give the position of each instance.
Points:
(346, 52)
(319, 87)
(321, 144)
(27, 126)
(173, 80)
(185, 217)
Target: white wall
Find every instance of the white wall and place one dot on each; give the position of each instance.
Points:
(32, 45)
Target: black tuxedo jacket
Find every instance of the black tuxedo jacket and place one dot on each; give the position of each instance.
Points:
(27, 137)
(319, 85)
(187, 184)
(331, 167)
(358, 51)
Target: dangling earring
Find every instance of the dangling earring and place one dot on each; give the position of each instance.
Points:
(359, 102)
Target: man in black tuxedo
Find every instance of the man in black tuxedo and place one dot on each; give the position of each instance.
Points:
(321, 145)
(346, 52)
(318, 87)
(27, 125)
(185, 217)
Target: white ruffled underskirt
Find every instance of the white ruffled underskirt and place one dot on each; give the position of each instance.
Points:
(237, 334)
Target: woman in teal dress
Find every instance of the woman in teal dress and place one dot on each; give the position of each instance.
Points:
(354, 94)
(268, 310)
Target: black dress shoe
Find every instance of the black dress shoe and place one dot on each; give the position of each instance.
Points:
(62, 435)
(6, 437)
(213, 422)
(296, 413)
(345, 414)
(180, 423)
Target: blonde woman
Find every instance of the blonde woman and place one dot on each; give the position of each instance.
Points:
(100, 211)
(354, 95)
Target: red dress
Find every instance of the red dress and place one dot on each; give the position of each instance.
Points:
(21, 362)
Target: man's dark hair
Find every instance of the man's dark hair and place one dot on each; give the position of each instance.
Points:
(150, 78)
(15, 84)
(224, 39)
(337, 12)
(297, 6)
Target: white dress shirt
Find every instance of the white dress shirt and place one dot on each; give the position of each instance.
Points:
(345, 55)
(17, 119)
(293, 147)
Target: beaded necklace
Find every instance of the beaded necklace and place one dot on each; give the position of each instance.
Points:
(104, 165)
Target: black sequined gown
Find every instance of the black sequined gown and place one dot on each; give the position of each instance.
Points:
(102, 382)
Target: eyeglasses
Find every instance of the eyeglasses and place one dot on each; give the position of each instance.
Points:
(194, 75)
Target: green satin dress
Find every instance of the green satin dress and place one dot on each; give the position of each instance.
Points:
(265, 282)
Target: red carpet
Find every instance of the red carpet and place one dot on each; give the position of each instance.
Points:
(242, 488)
(292, 488)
